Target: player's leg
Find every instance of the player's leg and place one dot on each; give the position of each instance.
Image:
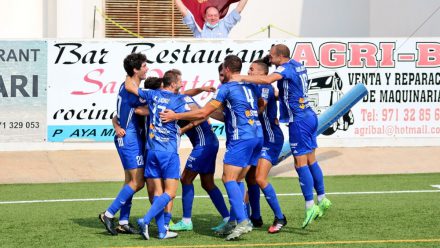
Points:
(215, 194)
(301, 136)
(254, 197)
(186, 180)
(134, 178)
(263, 168)
(318, 178)
(133, 162)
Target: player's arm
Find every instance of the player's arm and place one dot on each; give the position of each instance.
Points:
(202, 113)
(131, 87)
(261, 105)
(263, 79)
(196, 91)
(191, 125)
(218, 115)
(142, 110)
(181, 7)
(120, 132)
(241, 5)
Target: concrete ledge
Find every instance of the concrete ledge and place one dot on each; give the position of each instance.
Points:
(104, 165)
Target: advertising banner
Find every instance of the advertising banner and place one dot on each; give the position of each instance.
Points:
(23, 68)
(401, 75)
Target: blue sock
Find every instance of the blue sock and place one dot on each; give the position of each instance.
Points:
(306, 182)
(160, 219)
(125, 210)
(158, 205)
(219, 202)
(187, 199)
(236, 200)
(246, 206)
(167, 218)
(272, 200)
(254, 200)
(122, 198)
(318, 178)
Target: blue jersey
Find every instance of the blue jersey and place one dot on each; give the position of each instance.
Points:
(292, 90)
(240, 110)
(162, 136)
(202, 134)
(255, 88)
(268, 117)
(125, 106)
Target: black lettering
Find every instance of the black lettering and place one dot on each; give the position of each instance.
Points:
(20, 87)
(62, 46)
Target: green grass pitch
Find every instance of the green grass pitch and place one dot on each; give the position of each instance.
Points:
(380, 219)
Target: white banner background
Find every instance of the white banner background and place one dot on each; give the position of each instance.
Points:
(84, 77)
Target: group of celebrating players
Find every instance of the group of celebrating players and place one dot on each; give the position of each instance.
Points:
(150, 121)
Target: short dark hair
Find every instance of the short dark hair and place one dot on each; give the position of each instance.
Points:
(220, 67)
(153, 83)
(134, 61)
(233, 62)
(264, 63)
(282, 50)
(170, 77)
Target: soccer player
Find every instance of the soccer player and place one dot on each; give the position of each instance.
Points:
(273, 142)
(201, 162)
(163, 162)
(240, 108)
(129, 145)
(292, 82)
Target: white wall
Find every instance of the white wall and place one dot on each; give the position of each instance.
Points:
(335, 18)
(284, 14)
(75, 19)
(394, 18)
(21, 19)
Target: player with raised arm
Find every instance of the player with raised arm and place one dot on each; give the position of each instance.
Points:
(163, 164)
(130, 146)
(292, 82)
(201, 162)
(240, 108)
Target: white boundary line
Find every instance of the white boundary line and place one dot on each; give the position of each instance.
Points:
(206, 196)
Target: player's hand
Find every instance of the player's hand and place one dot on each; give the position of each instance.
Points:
(120, 132)
(208, 88)
(167, 116)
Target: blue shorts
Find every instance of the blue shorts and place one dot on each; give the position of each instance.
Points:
(256, 154)
(165, 165)
(302, 133)
(271, 151)
(202, 159)
(240, 152)
(130, 149)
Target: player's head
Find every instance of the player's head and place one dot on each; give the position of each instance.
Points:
(153, 83)
(135, 64)
(221, 75)
(259, 67)
(231, 65)
(171, 80)
(279, 54)
(179, 75)
(212, 15)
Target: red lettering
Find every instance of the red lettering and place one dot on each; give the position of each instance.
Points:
(387, 54)
(362, 55)
(87, 79)
(332, 54)
(428, 54)
(304, 52)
